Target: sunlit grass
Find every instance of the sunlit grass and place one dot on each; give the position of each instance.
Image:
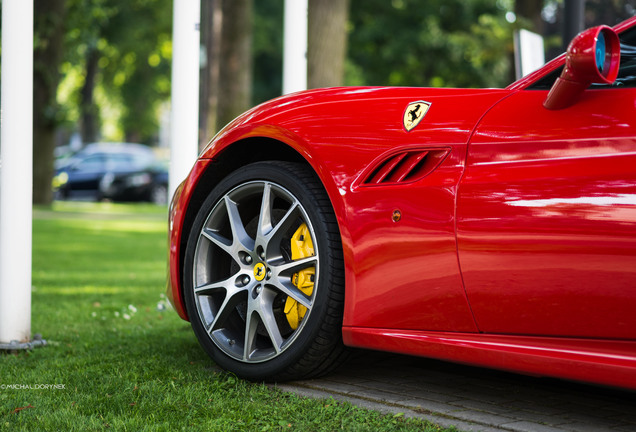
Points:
(122, 360)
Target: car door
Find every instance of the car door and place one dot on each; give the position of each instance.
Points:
(547, 216)
(85, 175)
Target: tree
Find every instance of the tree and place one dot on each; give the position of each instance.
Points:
(609, 12)
(122, 46)
(84, 42)
(529, 13)
(327, 42)
(211, 25)
(235, 76)
(121, 50)
(89, 122)
(548, 18)
(48, 40)
(136, 63)
(267, 49)
(234, 42)
(433, 43)
(226, 85)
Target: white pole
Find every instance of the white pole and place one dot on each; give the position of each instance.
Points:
(295, 46)
(184, 118)
(16, 172)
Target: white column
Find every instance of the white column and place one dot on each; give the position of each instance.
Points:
(184, 118)
(295, 46)
(16, 172)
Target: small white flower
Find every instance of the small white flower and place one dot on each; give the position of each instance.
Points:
(132, 308)
(126, 316)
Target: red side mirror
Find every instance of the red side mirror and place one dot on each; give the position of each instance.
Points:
(592, 57)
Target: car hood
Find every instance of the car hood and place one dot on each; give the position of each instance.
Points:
(356, 108)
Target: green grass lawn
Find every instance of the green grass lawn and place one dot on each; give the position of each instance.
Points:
(123, 362)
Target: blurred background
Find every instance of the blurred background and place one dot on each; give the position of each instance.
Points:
(102, 67)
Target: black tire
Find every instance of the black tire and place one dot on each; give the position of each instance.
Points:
(60, 194)
(159, 194)
(240, 272)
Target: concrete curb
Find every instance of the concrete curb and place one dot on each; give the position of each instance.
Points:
(385, 408)
(472, 399)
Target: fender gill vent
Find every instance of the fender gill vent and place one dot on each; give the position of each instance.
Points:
(407, 166)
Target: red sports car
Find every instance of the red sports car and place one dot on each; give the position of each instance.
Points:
(492, 227)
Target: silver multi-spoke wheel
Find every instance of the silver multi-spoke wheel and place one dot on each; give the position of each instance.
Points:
(241, 303)
(258, 289)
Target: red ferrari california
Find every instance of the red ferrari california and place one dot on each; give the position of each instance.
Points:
(492, 227)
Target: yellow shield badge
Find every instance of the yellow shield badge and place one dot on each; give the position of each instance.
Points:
(414, 113)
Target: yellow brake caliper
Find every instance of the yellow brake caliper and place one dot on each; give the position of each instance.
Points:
(301, 247)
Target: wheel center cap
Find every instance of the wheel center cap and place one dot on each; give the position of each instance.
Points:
(260, 271)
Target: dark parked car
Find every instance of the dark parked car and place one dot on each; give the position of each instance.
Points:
(114, 171)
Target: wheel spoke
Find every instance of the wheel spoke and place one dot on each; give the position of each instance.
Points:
(265, 217)
(231, 298)
(251, 325)
(227, 308)
(269, 320)
(276, 233)
(217, 239)
(286, 287)
(208, 289)
(236, 224)
(281, 278)
(286, 269)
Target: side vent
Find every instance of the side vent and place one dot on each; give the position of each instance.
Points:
(406, 166)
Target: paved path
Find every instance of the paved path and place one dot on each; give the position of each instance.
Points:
(473, 399)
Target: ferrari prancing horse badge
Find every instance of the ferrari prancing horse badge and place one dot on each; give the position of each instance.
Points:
(414, 113)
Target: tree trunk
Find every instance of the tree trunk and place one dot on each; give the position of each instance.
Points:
(573, 20)
(530, 12)
(235, 74)
(49, 37)
(327, 42)
(88, 108)
(211, 27)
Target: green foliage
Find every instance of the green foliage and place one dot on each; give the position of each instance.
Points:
(48, 23)
(133, 41)
(449, 43)
(124, 362)
(268, 50)
(398, 42)
(137, 66)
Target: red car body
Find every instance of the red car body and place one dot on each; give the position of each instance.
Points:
(509, 243)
